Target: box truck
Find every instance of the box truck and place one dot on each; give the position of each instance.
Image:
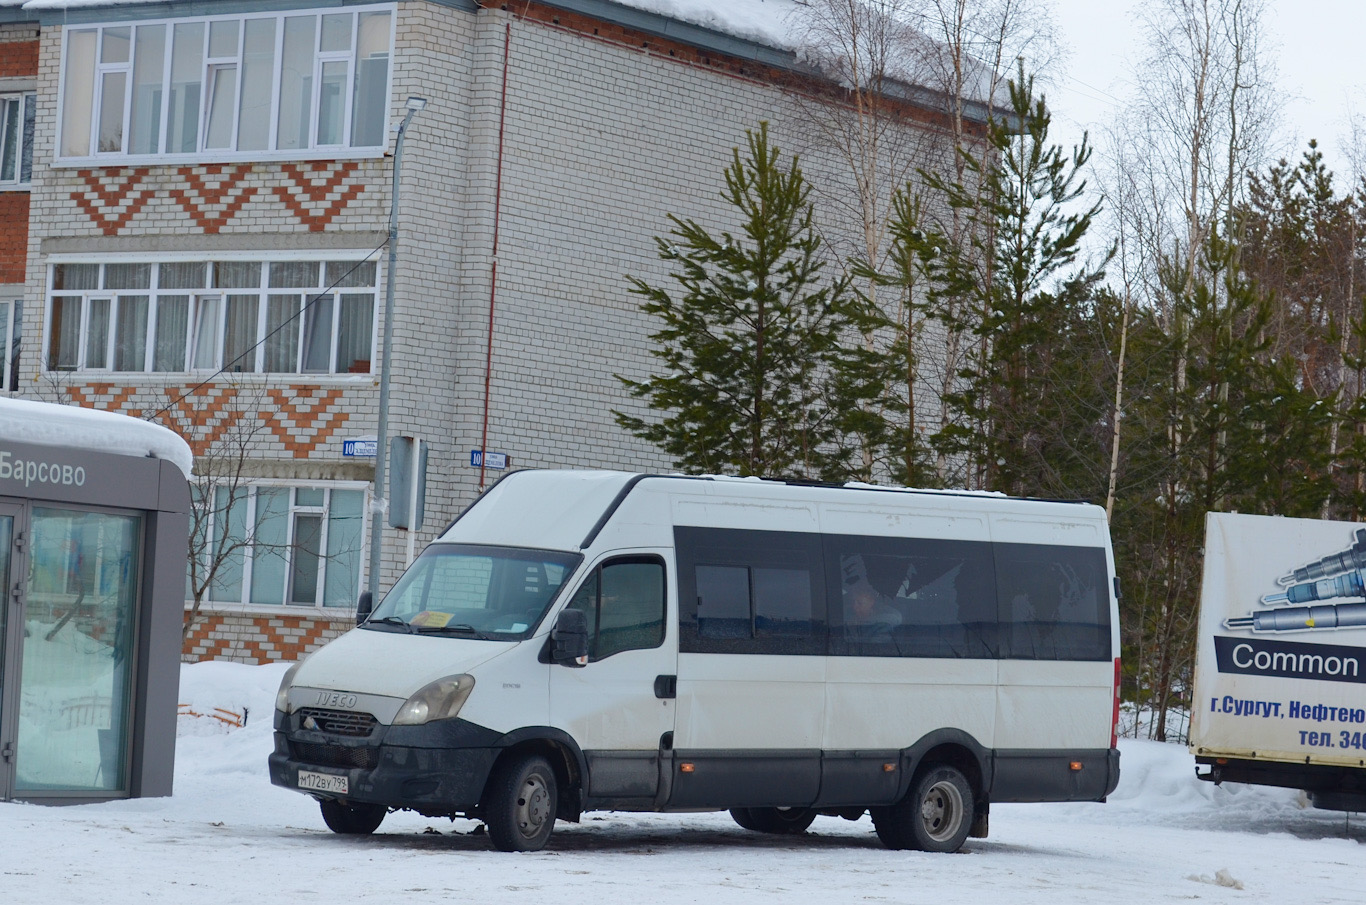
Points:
(1279, 698)
(600, 640)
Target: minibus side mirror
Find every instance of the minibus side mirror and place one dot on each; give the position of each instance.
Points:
(364, 606)
(569, 638)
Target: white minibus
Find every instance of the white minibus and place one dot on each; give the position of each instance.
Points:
(581, 641)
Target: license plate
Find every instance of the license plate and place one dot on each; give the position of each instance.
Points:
(323, 782)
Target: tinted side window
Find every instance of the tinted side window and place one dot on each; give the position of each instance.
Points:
(1055, 602)
(912, 597)
(624, 602)
(723, 602)
(750, 592)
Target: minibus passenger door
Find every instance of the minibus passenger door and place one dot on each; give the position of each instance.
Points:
(619, 707)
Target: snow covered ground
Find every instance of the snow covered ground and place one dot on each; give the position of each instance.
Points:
(228, 836)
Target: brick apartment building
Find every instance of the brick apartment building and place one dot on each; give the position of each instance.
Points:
(18, 108)
(210, 185)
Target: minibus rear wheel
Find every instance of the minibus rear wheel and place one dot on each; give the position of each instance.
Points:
(353, 819)
(935, 816)
(780, 821)
(741, 816)
(520, 804)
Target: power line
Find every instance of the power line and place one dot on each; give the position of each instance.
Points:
(251, 350)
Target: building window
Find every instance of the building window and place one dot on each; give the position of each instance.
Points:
(17, 116)
(309, 84)
(276, 545)
(11, 322)
(271, 317)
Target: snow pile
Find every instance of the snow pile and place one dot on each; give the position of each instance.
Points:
(46, 424)
(228, 836)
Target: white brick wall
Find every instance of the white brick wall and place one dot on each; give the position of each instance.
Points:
(601, 142)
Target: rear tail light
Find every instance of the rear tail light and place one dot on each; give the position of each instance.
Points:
(1114, 718)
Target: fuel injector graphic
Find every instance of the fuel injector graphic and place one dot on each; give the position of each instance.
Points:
(1302, 618)
(1339, 575)
(1348, 584)
(1354, 557)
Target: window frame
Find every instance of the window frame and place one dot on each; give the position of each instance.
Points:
(594, 577)
(699, 547)
(209, 66)
(910, 639)
(198, 299)
(247, 555)
(11, 340)
(27, 101)
(1067, 640)
(988, 573)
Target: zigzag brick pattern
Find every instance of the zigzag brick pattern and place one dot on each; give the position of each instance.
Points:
(124, 200)
(303, 428)
(110, 198)
(204, 192)
(257, 639)
(317, 200)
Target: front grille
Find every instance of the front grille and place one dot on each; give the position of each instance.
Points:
(339, 722)
(334, 755)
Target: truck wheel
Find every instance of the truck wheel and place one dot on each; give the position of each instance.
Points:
(780, 821)
(934, 817)
(353, 819)
(519, 804)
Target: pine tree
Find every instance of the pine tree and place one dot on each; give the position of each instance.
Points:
(750, 334)
(896, 427)
(1024, 292)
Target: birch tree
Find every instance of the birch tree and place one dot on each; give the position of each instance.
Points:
(1202, 118)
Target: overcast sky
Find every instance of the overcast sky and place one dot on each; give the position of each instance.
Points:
(1317, 46)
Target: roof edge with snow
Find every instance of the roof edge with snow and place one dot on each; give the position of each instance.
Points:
(742, 44)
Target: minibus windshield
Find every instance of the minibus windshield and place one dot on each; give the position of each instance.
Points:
(471, 591)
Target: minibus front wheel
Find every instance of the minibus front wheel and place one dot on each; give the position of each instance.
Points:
(935, 816)
(519, 804)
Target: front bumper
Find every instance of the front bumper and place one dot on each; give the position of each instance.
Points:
(438, 769)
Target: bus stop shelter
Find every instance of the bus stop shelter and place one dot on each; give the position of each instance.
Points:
(94, 521)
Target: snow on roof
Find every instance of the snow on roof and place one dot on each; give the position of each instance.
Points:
(46, 424)
(776, 23)
(782, 24)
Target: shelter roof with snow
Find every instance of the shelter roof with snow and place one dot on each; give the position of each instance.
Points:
(47, 424)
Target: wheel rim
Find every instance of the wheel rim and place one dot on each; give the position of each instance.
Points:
(941, 810)
(533, 806)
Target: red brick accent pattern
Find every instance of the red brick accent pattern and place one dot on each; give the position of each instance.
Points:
(104, 397)
(257, 639)
(111, 199)
(13, 236)
(19, 60)
(291, 421)
(203, 415)
(225, 193)
(307, 196)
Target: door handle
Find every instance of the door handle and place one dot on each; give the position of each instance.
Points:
(666, 686)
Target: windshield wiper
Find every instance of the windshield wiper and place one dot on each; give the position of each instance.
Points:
(458, 628)
(393, 620)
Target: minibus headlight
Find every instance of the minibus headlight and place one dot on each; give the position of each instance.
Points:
(441, 700)
(282, 696)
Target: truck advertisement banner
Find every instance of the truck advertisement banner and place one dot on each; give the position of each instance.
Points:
(1281, 663)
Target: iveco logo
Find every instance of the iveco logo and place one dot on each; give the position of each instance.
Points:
(336, 699)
